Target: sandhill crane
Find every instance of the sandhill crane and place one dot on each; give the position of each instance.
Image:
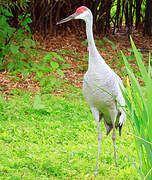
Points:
(101, 85)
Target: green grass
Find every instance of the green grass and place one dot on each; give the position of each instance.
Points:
(57, 139)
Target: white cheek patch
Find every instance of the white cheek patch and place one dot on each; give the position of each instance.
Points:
(82, 15)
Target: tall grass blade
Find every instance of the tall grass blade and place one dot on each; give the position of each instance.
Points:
(147, 173)
(139, 102)
(135, 84)
(139, 62)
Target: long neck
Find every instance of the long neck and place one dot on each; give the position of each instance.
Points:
(89, 32)
(94, 56)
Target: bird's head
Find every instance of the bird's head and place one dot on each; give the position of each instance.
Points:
(80, 13)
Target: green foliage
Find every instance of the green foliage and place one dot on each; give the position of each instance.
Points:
(101, 43)
(116, 4)
(18, 53)
(55, 137)
(15, 46)
(46, 69)
(139, 104)
(84, 43)
(114, 47)
(84, 66)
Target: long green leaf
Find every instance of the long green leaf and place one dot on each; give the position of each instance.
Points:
(140, 107)
(139, 62)
(135, 84)
(145, 75)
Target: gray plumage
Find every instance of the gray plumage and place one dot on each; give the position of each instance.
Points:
(101, 86)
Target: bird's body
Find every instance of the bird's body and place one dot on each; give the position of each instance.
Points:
(101, 85)
(101, 90)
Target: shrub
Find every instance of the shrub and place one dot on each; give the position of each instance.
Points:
(15, 43)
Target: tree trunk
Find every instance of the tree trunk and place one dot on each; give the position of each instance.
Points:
(126, 13)
(118, 13)
(138, 9)
(45, 14)
(130, 18)
(148, 18)
(122, 12)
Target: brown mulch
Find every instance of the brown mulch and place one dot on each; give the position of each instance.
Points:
(8, 83)
(73, 42)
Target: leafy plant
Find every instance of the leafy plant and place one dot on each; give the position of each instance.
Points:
(97, 42)
(19, 55)
(114, 47)
(138, 100)
(84, 43)
(15, 46)
(47, 69)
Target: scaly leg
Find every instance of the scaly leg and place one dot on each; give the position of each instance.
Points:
(113, 113)
(95, 113)
(99, 142)
(114, 144)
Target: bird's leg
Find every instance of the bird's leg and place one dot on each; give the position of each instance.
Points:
(95, 113)
(113, 114)
(114, 143)
(99, 142)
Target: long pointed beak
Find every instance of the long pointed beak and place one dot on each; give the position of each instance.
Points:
(67, 19)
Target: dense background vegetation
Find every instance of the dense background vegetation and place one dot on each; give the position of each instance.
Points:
(112, 13)
(18, 18)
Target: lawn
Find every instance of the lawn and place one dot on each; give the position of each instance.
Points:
(46, 136)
